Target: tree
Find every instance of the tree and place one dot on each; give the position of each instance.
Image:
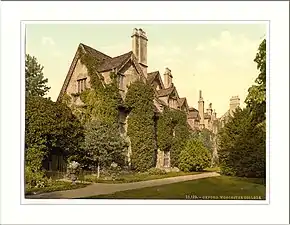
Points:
(50, 128)
(242, 146)
(206, 137)
(35, 83)
(103, 145)
(194, 156)
(256, 99)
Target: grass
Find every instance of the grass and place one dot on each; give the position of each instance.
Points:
(212, 188)
(55, 186)
(135, 177)
(213, 169)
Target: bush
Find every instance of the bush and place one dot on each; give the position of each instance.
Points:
(156, 171)
(34, 179)
(194, 156)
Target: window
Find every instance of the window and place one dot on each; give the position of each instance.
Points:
(121, 82)
(82, 85)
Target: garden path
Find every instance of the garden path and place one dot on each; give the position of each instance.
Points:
(101, 188)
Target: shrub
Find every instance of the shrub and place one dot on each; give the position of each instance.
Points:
(156, 171)
(194, 156)
(35, 179)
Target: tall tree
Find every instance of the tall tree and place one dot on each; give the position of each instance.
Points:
(35, 83)
(242, 146)
(256, 99)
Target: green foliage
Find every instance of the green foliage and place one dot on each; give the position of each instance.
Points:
(205, 136)
(156, 171)
(102, 100)
(34, 178)
(50, 127)
(256, 99)
(242, 146)
(194, 156)
(172, 133)
(103, 144)
(52, 186)
(34, 156)
(35, 83)
(139, 100)
(181, 134)
(165, 128)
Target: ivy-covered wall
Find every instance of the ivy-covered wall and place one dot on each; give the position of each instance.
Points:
(172, 133)
(139, 101)
(102, 100)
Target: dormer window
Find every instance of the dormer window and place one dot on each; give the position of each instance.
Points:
(82, 84)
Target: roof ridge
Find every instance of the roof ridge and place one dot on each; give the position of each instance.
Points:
(91, 48)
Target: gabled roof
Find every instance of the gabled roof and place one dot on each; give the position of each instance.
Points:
(151, 76)
(166, 91)
(93, 52)
(193, 114)
(193, 109)
(106, 63)
(114, 63)
(160, 102)
(154, 76)
(181, 101)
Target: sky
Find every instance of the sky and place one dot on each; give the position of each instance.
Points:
(214, 58)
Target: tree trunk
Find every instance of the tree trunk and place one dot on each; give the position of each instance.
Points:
(98, 173)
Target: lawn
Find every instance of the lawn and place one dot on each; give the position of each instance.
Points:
(213, 188)
(55, 186)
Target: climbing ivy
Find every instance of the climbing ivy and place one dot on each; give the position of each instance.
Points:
(172, 133)
(102, 101)
(165, 130)
(139, 100)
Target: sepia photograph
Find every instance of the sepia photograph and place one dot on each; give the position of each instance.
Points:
(145, 111)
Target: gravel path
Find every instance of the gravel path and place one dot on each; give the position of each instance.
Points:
(101, 188)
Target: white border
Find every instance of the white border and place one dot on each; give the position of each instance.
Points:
(14, 213)
(138, 202)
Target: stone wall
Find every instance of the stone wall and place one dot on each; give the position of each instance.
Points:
(130, 75)
(79, 72)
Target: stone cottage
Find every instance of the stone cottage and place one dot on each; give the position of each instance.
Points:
(129, 67)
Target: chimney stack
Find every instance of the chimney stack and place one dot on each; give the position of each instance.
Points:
(139, 48)
(167, 78)
(201, 108)
(234, 103)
